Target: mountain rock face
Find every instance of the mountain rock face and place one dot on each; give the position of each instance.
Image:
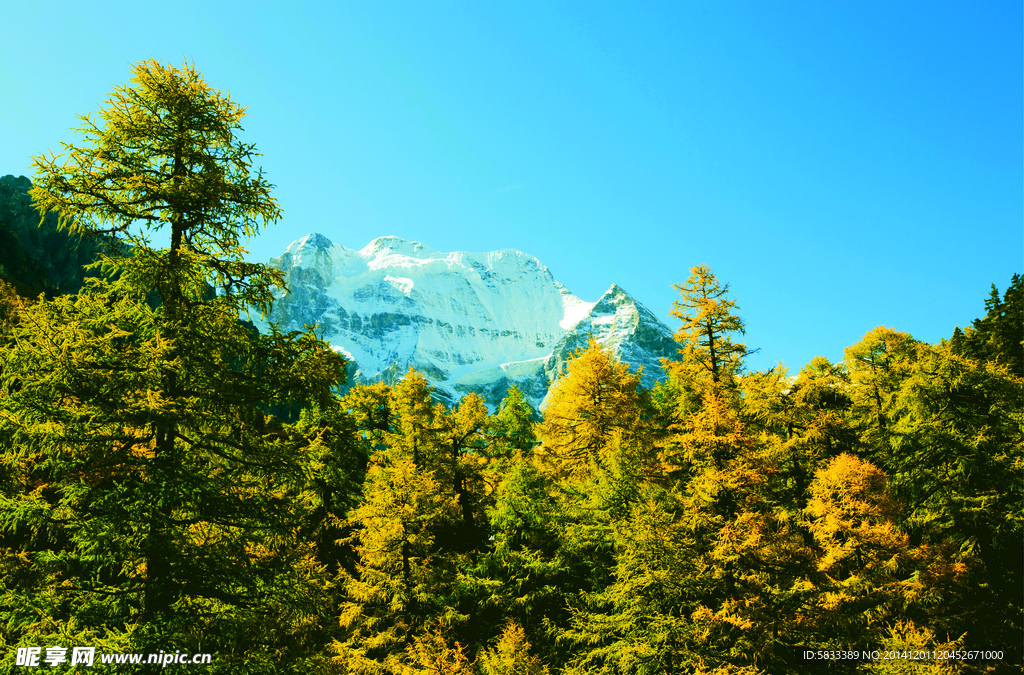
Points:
(476, 322)
(36, 256)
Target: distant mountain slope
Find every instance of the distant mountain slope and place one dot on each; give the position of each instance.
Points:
(469, 321)
(35, 258)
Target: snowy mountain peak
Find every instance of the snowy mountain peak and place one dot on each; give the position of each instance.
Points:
(382, 247)
(469, 321)
(311, 240)
(615, 295)
(302, 249)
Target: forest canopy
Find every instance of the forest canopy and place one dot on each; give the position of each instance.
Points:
(173, 480)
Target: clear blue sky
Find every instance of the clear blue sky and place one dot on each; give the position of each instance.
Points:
(842, 165)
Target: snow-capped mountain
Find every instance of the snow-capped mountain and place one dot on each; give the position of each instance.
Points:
(468, 321)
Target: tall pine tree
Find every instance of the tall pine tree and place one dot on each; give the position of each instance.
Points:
(157, 500)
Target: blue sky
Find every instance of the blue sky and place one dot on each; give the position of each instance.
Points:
(842, 165)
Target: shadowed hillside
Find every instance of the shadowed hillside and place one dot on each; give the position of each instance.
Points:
(38, 259)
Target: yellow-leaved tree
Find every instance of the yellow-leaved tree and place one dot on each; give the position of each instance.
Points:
(597, 405)
(866, 564)
(709, 323)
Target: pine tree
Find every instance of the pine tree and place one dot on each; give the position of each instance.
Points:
(522, 576)
(747, 553)
(803, 422)
(597, 448)
(903, 637)
(956, 455)
(461, 462)
(401, 579)
(511, 655)
(709, 322)
(422, 513)
(11, 304)
(878, 364)
(641, 623)
(596, 401)
(513, 427)
(998, 335)
(155, 490)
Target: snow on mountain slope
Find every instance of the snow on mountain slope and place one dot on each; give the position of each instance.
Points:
(468, 321)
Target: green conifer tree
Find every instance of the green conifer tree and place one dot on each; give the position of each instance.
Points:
(956, 455)
(641, 622)
(802, 422)
(158, 504)
(422, 513)
(523, 576)
(460, 465)
(513, 427)
(878, 364)
(999, 335)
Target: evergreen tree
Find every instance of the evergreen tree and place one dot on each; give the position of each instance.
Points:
(998, 335)
(551, 513)
(642, 622)
(158, 503)
(803, 422)
(956, 455)
(904, 636)
(11, 304)
(422, 513)
(747, 556)
(402, 580)
(513, 427)
(511, 655)
(598, 399)
(878, 364)
(709, 322)
(461, 463)
(524, 576)
(337, 464)
(737, 459)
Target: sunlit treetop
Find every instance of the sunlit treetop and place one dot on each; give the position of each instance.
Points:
(162, 151)
(709, 321)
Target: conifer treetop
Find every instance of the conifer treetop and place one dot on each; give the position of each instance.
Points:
(709, 320)
(163, 151)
